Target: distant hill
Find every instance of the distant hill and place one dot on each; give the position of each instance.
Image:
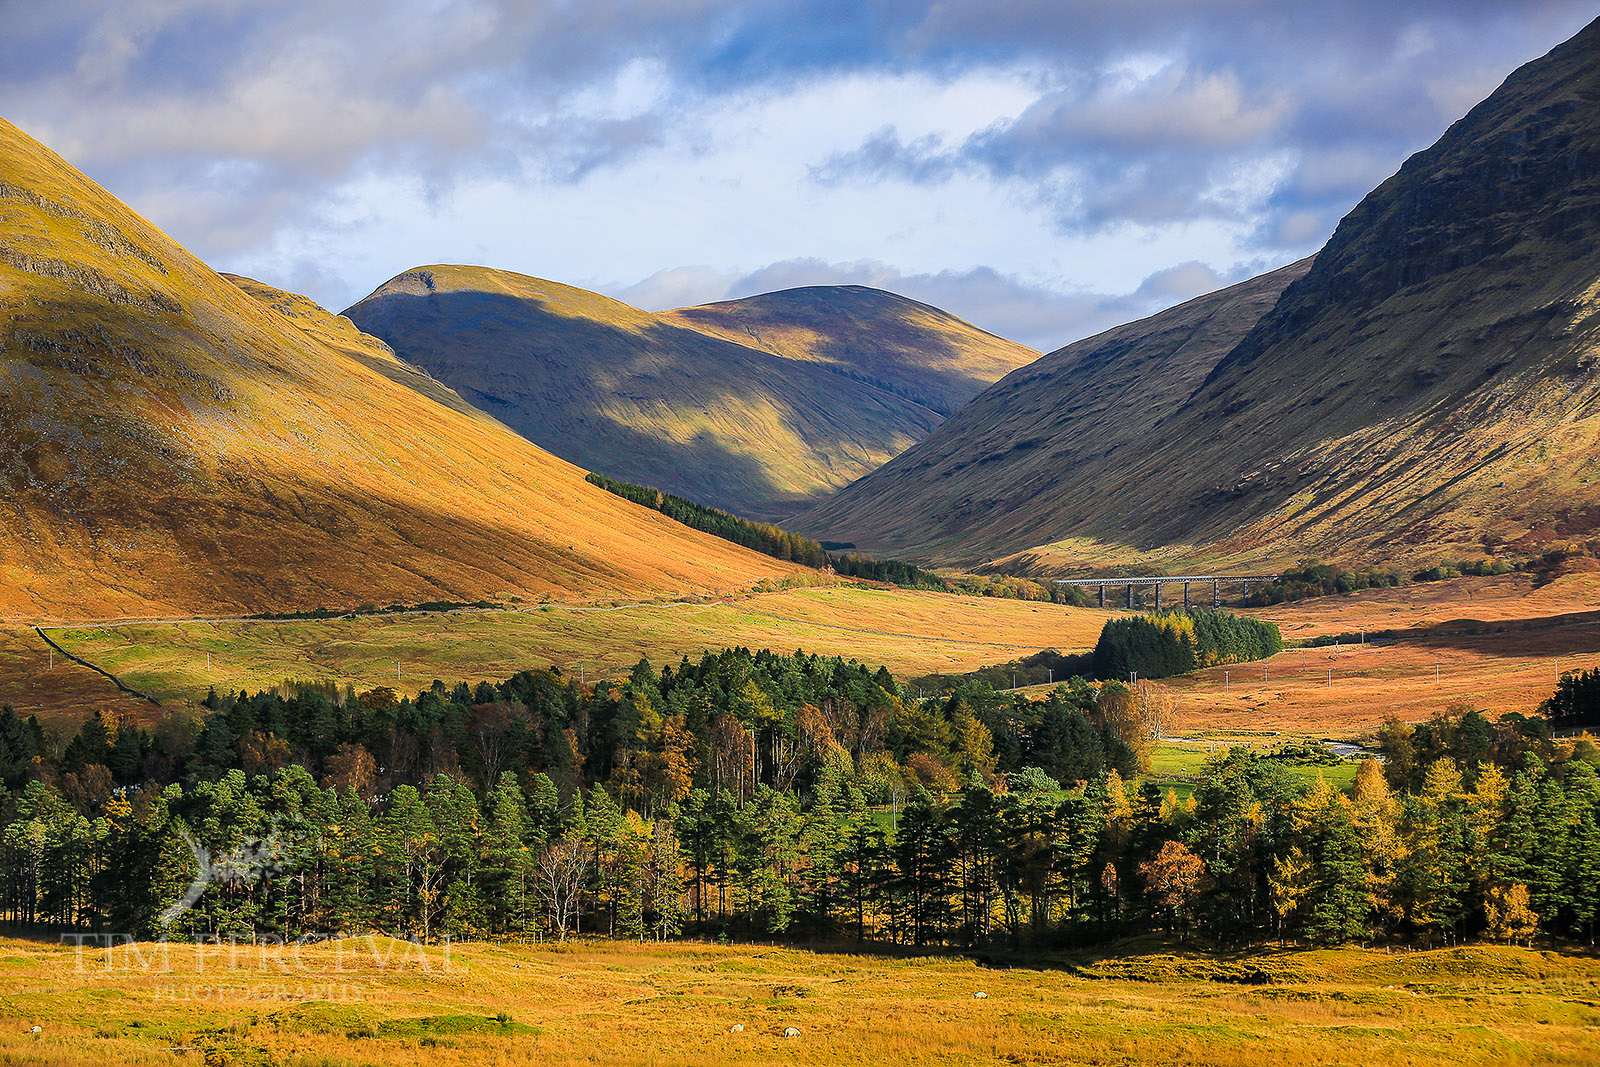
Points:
(172, 442)
(758, 406)
(1429, 385)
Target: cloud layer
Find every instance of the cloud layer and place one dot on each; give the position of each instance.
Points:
(1039, 167)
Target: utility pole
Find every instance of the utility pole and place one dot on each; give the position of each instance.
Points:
(1225, 685)
(1330, 677)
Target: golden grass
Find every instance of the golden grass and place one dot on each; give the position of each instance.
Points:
(1497, 643)
(910, 632)
(1523, 635)
(622, 1004)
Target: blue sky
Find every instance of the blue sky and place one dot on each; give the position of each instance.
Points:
(1044, 169)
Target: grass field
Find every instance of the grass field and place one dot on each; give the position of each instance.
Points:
(361, 1002)
(910, 632)
(1179, 763)
(1493, 642)
(1496, 643)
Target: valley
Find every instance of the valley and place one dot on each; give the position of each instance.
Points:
(367, 696)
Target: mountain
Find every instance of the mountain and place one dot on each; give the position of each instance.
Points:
(759, 406)
(174, 443)
(912, 350)
(1429, 385)
(987, 480)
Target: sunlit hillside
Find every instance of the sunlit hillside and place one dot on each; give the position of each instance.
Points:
(172, 444)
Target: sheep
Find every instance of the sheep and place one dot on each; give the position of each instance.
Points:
(980, 995)
(789, 1031)
(736, 1028)
(35, 1029)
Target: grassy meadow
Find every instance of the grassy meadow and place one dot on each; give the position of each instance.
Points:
(912, 633)
(1496, 643)
(376, 1003)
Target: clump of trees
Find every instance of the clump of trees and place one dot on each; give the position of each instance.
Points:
(1171, 643)
(1311, 578)
(1576, 701)
(786, 545)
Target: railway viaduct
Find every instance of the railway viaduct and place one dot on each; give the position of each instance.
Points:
(1185, 580)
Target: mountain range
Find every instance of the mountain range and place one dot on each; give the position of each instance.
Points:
(760, 406)
(174, 441)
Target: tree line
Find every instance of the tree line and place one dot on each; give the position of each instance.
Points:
(795, 796)
(768, 539)
(1312, 578)
(789, 546)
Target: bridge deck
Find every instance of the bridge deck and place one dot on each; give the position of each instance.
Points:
(1167, 580)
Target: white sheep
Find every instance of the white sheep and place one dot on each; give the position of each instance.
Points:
(35, 1029)
(736, 1028)
(980, 995)
(789, 1031)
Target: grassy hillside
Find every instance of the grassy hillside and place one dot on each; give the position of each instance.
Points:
(755, 409)
(1428, 386)
(374, 1001)
(172, 443)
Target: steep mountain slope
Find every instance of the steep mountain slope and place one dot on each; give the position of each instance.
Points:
(991, 475)
(1431, 385)
(759, 409)
(172, 443)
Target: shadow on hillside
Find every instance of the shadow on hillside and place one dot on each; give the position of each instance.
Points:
(1549, 635)
(549, 376)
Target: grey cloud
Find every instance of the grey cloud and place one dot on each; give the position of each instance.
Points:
(211, 109)
(1333, 95)
(885, 155)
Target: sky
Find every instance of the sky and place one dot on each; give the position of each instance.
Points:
(1043, 168)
